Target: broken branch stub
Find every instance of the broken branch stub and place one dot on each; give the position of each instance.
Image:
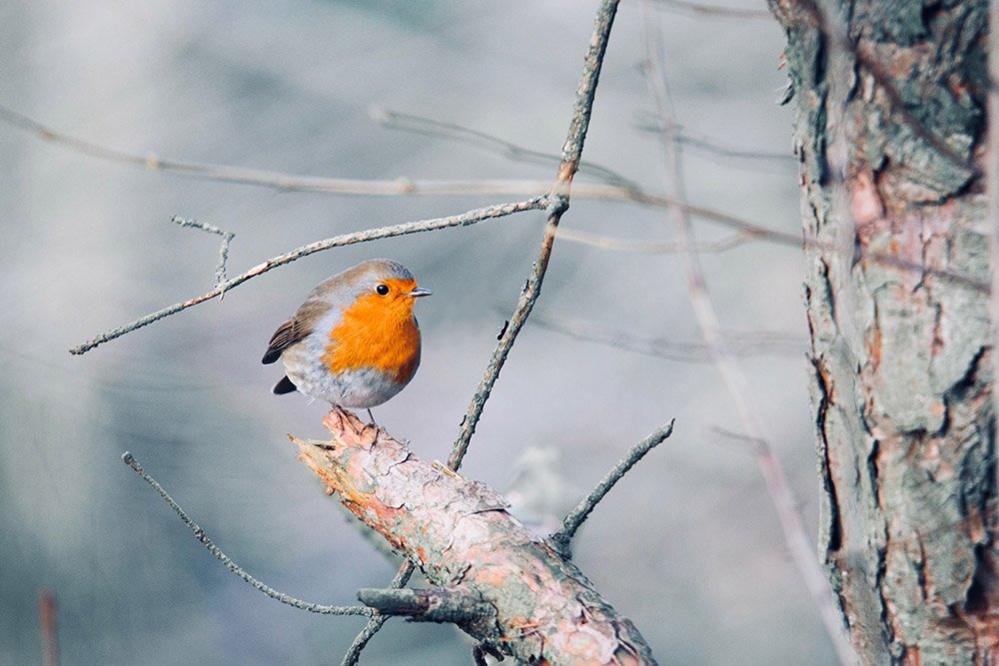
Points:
(461, 535)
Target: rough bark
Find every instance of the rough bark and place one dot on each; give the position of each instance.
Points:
(901, 377)
(541, 608)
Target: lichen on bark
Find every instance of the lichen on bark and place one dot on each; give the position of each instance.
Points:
(901, 378)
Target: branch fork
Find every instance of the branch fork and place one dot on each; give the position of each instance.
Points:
(507, 587)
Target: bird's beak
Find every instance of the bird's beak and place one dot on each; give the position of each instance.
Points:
(419, 292)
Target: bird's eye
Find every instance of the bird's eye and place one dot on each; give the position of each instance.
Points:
(382, 289)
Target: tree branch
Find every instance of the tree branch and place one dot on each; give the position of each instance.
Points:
(462, 220)
(575, 518)
(463, 539)
(439, 604)
(206, 541)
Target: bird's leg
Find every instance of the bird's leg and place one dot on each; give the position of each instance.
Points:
(372, 417)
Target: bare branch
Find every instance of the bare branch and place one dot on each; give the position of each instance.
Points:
(743, 343)
(429, 127)
(650, 247)
(462, 220)
(204, 539)
(575, 518)
(707, 144)
(438, 604)
(714, 11)
(460, 530)
(572, 151)
(227, 237)
(739, 388)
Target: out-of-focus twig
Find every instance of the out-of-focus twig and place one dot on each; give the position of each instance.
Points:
(462, 220)
(741, 343)
(429, 127)
(792, 525)
(226, 561)
(575, 518)
(48, 621)
(650, 247)
(713, 11)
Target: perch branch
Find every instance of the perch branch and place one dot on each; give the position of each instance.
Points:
(572, 151)
(464, 219)
(465, 541)
(206, 541)
(575, 518)
(727, 364)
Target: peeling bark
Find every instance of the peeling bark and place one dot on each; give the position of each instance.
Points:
(544, 610)
(901, 373)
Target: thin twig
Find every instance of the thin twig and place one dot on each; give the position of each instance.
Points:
(429, 127)
(464, 219)
(204, 539)
(715, 11)
(48, 621)
(651, 247)
(377, 620)
(575, 518)
(739, 388)
(227, 237)
(742, 343)
(714, 146)
(572, 151)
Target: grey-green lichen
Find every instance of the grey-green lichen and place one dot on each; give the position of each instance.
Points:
(900, 381)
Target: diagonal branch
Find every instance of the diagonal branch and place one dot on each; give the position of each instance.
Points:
(204, 539)
(572, 151)
(575, 518)
(462, 220)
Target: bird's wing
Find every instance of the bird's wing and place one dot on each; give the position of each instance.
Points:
(295, 329)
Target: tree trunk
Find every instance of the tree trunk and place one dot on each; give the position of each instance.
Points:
(900, 353)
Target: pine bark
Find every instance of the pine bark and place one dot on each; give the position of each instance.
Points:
(901, 375)
(540, 609)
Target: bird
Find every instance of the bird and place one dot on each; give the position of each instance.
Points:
(355, 341)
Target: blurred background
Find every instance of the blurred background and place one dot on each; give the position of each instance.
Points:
(687, 545)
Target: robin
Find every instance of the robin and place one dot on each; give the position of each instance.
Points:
(354, 342)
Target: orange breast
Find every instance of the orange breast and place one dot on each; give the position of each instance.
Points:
(377, 332)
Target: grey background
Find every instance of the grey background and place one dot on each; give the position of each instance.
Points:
(688, 546)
